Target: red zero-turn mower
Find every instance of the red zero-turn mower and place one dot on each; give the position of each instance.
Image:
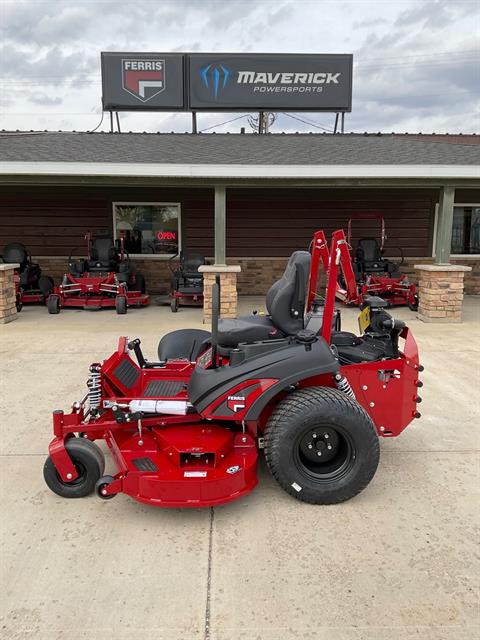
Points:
(374, 275)
(186, 431)
(105, 279)
(186, 285)
(30, 285)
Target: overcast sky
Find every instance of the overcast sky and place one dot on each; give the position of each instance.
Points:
(416, 62)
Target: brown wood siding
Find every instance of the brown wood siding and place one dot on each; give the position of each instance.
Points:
(274, 223)
(53, 221)
(260, 222)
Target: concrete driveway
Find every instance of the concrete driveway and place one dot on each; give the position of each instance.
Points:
(397, 562)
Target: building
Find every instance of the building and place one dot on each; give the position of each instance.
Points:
(244, 199)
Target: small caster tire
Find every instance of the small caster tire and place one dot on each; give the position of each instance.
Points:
(53, 303)
(413, 306)
(84, 455)
(121, 305)
(99, 453)
(101, 484)
(174, 305)
(18, 304)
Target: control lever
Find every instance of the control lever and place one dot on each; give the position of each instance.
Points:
(134, 345)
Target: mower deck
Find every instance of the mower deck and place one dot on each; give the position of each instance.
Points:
(188, 465)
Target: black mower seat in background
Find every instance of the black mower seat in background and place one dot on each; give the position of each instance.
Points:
(183, 344)
(369, 258)
(285, 302)
(16, 252)
(103, 255)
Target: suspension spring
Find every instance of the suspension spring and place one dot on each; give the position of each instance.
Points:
(343, 385)
(94, 384)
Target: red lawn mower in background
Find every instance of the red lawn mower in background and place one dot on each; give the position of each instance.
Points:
(105, 279)
(371, 274)
(187, 430)
(30, 285)
(186, 284)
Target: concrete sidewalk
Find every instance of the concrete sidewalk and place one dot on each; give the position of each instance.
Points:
(395, 563)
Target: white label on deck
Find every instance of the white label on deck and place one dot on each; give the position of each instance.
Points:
(195, 474)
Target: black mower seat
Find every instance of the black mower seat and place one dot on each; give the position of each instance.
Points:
(103, 255)
(285, 302)
(183, 344)
(369, 258)
(246, 329)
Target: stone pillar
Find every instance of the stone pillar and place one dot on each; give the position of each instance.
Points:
(8, 297)
(440, 292)
(228, 290)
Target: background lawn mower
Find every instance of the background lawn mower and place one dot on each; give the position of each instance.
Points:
(105, 279)
(374, 275)
(186, 431)
(186, 285)
(30, 285)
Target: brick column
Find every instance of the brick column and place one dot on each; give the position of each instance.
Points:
(8, 298)
(228, 290)
(440, 292)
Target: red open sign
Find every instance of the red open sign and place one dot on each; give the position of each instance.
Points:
(166, 235)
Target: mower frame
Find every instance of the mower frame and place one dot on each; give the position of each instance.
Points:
(98, 290)
(181, 457)
(397, 291)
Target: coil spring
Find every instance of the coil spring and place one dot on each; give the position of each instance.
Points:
(343, 385)
(94, 387)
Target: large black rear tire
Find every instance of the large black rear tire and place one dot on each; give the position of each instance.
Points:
(321, 446)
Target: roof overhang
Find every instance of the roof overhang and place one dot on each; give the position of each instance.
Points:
(241, 171)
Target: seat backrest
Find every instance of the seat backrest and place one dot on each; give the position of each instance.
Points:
(16, 252)
(190, 261)
(286, 297)
(103, 251)
(368, 250)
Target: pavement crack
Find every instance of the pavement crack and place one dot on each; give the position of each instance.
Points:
(209, 577)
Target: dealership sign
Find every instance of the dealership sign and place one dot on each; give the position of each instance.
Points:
(143, 81)
(227, 82)
(270, 82)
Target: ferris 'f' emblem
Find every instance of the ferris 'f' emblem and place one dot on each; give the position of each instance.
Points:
(236, 403)
(143, 78)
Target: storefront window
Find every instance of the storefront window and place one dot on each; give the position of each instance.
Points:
(466, 229)
(148, 227)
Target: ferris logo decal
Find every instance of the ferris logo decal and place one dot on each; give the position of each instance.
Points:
(236, 403)
(143, 79)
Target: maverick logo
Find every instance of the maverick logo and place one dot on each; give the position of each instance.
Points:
(215, 77)
(236, 403)
(285, 82)
(143, 78)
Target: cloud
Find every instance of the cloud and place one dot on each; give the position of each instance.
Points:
(416, 62)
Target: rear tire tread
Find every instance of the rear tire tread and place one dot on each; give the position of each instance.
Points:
(303, 401)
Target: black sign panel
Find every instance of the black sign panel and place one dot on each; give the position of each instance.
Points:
(270, 82)
(143, 81)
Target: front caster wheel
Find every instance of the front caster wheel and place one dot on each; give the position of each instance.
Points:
(53, 303)
(174, 305)
(321, 446)
(101, 485)
(413, 305)
(121, 305)
(87, 462)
